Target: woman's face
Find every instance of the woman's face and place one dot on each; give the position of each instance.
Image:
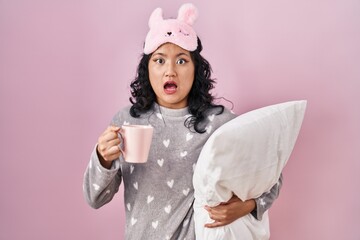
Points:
(171, 73)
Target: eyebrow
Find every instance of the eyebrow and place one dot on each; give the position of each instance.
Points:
(177, 55)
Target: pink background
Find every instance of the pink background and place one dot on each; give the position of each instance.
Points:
(65, 67)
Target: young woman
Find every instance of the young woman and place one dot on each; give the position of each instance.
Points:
(171, 92)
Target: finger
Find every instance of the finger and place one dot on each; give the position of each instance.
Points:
(114, 142)
(112, 157)
(113, 154)
(215, 210)
(113, 150)
(110, 129)
(103, 147)
(213, 217)
(214, 224)
(113, 128)
(213, 214)
(109, 136)
(218, 217)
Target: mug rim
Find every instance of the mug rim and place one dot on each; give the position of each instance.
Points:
(137, 126)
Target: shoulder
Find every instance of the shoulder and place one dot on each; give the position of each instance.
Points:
(222, 117)
(121, 116)
(216, 118)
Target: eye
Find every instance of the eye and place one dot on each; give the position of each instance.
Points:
(181, 61)
(159, 60)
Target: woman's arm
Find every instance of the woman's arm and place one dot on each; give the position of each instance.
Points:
(100, 184)
(264, 202)
(103, 176)
(226, 213)
(235, 208)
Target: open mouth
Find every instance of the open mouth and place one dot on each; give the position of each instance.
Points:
(170, 87)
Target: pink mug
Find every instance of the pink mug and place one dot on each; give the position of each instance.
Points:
(136, 142)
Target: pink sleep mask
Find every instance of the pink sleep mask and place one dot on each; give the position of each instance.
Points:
(178, 31)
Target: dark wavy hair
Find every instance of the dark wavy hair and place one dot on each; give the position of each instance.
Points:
(200, 99)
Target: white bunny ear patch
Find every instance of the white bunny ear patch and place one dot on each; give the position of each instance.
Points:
(156, 17)
(188, 13)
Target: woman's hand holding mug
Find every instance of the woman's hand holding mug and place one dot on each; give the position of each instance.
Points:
(108, 146)
(137, 140)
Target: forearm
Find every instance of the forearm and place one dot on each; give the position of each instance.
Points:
(265, 201)
(100, 184)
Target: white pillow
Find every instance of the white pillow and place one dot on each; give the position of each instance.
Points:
(246, 156)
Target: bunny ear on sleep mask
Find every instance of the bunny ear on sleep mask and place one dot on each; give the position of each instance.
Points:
(178, 31)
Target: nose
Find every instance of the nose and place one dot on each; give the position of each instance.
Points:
(170, 70)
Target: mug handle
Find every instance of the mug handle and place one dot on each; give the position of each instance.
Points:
(121, 145)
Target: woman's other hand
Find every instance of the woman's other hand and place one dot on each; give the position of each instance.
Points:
(227, 212)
